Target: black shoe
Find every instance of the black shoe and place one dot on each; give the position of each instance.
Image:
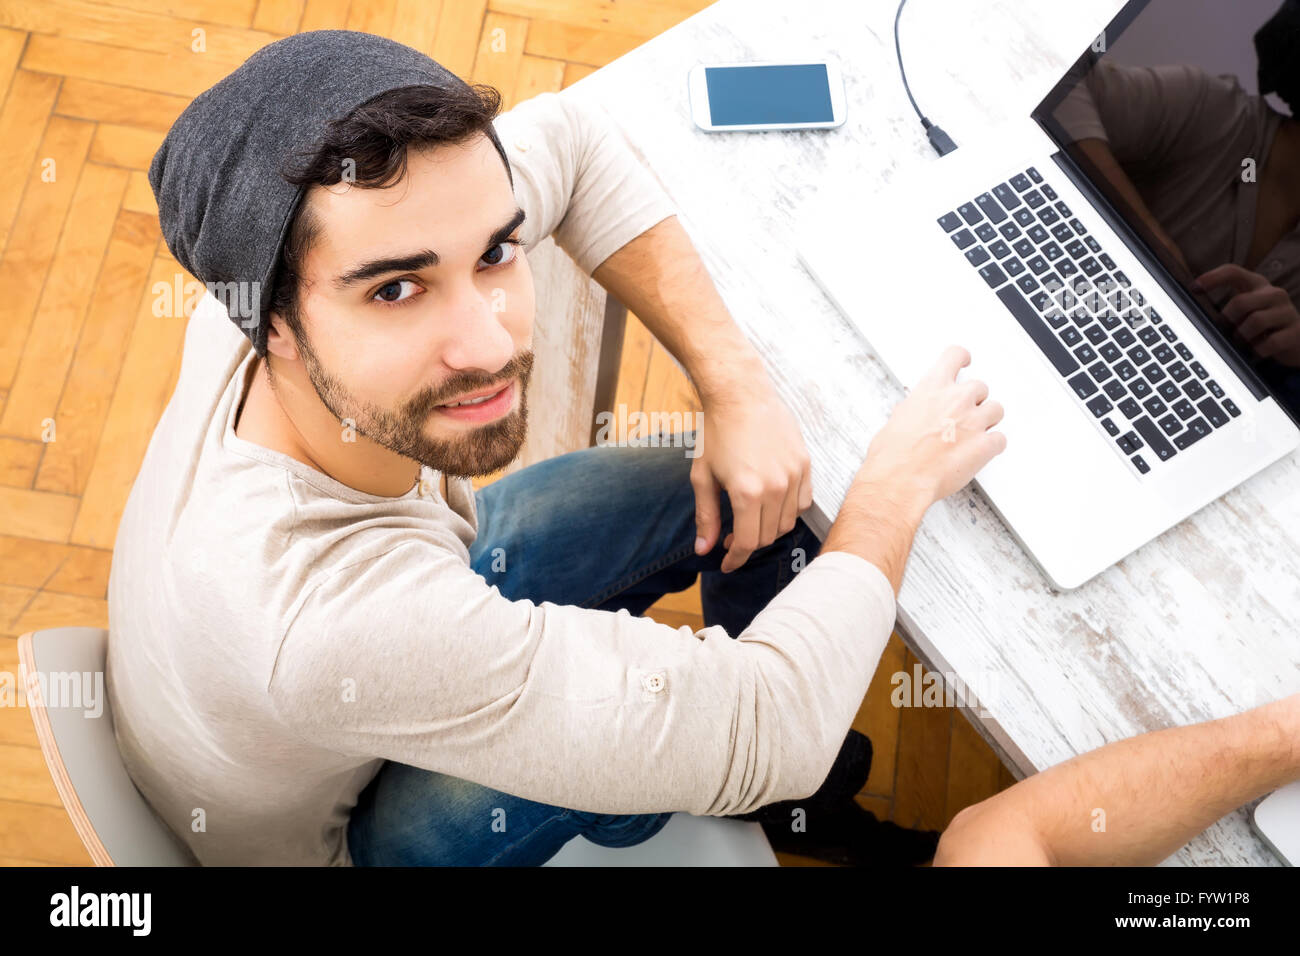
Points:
(850, 835)
(847, 777)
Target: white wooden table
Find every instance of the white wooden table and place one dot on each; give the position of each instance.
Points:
(1196, 625)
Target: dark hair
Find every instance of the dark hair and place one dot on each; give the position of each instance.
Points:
(374, 138)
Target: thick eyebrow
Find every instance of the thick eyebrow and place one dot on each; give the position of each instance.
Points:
(417, 260)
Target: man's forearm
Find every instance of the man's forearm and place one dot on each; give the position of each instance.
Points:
(1136, 801)
(660, 278)
(877, 522)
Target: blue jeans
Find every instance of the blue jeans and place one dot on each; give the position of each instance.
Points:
(606, 528)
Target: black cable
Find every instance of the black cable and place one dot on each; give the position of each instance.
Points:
(941, 141)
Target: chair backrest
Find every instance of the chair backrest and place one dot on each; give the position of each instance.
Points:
(577, 342)
(62, 671)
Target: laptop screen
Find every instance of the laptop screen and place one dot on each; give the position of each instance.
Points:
(1183, 114)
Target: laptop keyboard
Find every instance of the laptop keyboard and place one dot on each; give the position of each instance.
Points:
(1127, 368)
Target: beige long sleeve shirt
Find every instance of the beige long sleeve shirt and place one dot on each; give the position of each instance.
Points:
(275, 635)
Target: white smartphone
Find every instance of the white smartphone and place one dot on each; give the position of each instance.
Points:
(799, 94)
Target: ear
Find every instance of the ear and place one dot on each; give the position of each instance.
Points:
(279, 339)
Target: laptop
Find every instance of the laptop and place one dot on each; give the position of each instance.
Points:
(1061, 249)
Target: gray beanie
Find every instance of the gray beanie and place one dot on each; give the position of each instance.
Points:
(224, 208)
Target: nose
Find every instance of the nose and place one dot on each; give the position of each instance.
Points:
(477, 337)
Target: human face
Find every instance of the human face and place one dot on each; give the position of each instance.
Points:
(416, 296)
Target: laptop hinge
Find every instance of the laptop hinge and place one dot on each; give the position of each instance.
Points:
(1191, 308)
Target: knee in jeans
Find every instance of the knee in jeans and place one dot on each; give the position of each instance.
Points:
(624, 829)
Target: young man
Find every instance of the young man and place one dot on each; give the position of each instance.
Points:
(325, 646)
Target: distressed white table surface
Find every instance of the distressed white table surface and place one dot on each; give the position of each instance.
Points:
(1197, 624)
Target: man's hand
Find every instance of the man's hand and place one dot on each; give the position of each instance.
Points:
(1262, 314)
(751, 447)
(935, 441)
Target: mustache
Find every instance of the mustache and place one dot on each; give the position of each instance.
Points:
(520, 366)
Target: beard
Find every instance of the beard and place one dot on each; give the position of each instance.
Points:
(476, 453)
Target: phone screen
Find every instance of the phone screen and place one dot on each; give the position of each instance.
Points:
(750, 95)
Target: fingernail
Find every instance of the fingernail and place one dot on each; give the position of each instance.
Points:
(699, 545)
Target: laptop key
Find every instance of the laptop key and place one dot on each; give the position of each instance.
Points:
(970, 212)
(1047, 215)
(1027, 283)
(963, 238)
(1064, 210)
(1154, 316)
(1100, 371)
(1129, 442)
(1183, 351)
(1085, 354)
(1090, 267)
(1049, 192)
(1111, 428)
(1073, 246)
(1013, 266)
(1083, 386)
(1107, 261)
(1109, 319)
(1196, 430)
(1111, 353)
(1050, 346)
(1024, 217)
(1071, 337)
(1081, 317)
(985, 232)
(1194, 389)
(1020, 182)
(1140, 388)
(1138, 355)
(1140, 465)
(1169, 391)
(1034, 199)
(1124, 338)
(1090, 241)
(991, 208)
(1178, 371)
(1000, 250)
(992, 275)
(1052, 251)
(1212, 412)
(1096, 335)
(1200, 371)
(1099, 405)
(1037, 265)
(1115, 390)
(1214, 388)
(1009, 231)
(1169, 334)
(1170, 424)
(1125, 371)
(1154, 437)
(977, 256)
(1154, 406)
(1232, 408)
(1006, 195)
(1163, 353)
(1149, 336)
(1130, 408)
(949, 221)
(1184, 409)
(1024, 248)
(1122, 279)
(1061, 233)
(1154, 373)
(1038, 234)
(1041, 300)
(1034, 174)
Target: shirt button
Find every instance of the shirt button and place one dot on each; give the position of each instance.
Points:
(653, 682)
(521, 145)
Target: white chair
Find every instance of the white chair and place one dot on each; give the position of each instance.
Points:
(577, 342)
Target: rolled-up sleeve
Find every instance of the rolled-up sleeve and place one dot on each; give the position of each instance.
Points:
(411, 656)
(576, 177)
